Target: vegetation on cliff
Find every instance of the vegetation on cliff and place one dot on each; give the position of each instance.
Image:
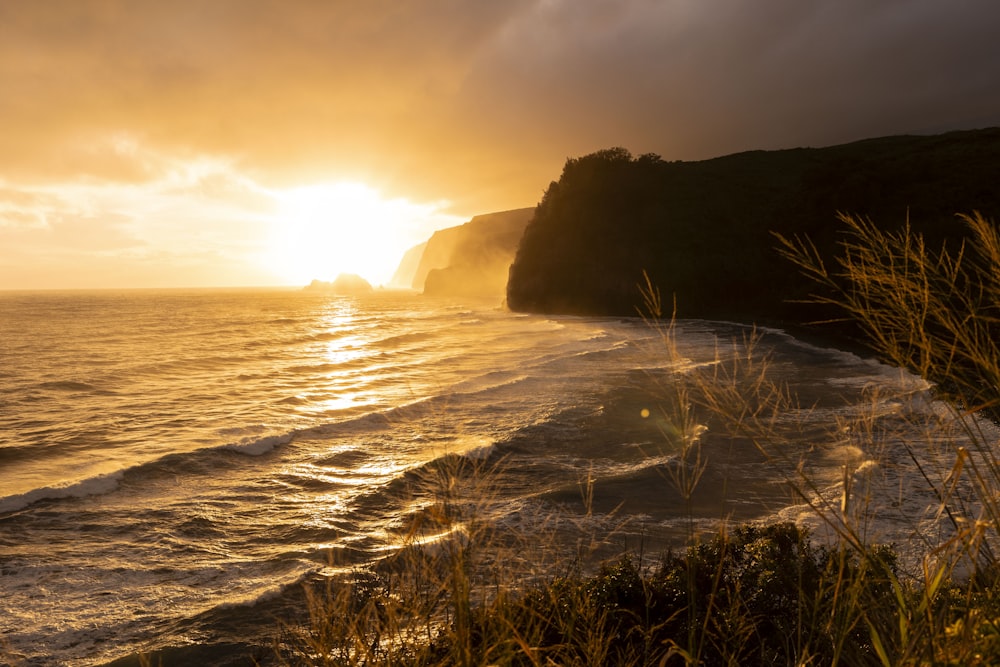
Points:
(704, 231)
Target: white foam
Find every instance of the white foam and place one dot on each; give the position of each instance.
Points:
(480, 452)
(93, 486)
(489, 381)
(260, 446)
(269, 593)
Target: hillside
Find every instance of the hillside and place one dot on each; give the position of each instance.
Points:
(703, 230)
(472, 259)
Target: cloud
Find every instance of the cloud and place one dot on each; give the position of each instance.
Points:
(474, 101)
(21, 210)
(193, 215)
(449, 94)
(274, 83)
(697, 79)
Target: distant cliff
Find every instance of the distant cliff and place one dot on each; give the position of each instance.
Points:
(408, 266)
(471, 259)
(703, 231)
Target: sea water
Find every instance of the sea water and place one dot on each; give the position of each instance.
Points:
(175, 463)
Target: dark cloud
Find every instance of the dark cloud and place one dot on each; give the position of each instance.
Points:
(699, 79)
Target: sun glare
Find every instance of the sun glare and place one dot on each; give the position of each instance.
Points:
(326, 229)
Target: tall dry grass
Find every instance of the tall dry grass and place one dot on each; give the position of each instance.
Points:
(450, 592)
(936, 313)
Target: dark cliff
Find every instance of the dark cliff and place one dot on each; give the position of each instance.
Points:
(704, 231)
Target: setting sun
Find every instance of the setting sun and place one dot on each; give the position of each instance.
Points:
(325, 229)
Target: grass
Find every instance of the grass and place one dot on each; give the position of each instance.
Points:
(463, 591)
(452, 594)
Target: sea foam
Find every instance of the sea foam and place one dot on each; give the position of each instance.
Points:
(89, 487)
(259, 446)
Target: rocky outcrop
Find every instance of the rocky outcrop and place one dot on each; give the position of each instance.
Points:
(345, 284)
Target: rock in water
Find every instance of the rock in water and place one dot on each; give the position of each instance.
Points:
(345, 283)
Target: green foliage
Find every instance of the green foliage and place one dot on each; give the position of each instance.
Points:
(761, 595)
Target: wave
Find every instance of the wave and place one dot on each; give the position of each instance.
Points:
(235, 631)
(791, 341)
(392, 498)
(259, 446)
(105, 483)
(267, 595)
(252, 441)
(93, 486)
(393, 342)
(488, 381)
(66, 385)
(10, 451)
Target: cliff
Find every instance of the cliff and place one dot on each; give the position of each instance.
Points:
(703, 231)
(472, 259)
(436, 254)
(406, 272)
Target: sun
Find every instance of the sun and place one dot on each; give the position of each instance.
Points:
(322, 230)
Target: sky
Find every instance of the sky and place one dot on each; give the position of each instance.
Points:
(261, 142)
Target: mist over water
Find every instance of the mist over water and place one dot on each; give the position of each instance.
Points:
(174, 463)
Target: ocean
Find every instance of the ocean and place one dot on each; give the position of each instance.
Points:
(176, 464)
